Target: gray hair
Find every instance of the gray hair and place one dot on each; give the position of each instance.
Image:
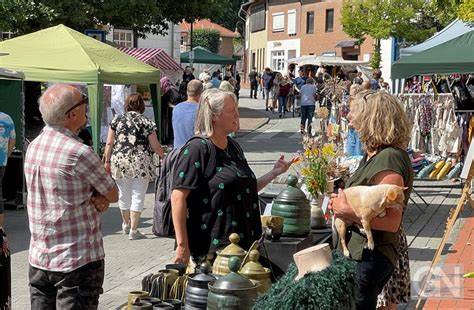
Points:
(56, 101)
(211, 104)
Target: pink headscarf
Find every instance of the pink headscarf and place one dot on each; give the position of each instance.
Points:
(165, 85)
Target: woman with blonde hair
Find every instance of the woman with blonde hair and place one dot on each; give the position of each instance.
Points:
(211, 202)
(384, 130)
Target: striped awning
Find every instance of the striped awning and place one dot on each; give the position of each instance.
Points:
(155, 57)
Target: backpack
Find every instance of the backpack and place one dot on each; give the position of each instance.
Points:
(162, 219)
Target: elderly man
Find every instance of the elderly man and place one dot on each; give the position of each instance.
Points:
(68, 189)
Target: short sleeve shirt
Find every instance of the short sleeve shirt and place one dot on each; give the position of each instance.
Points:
(132, 155)
(7, 133)
(388, 159)
(184, 116)
(222, 204)
(307, 93)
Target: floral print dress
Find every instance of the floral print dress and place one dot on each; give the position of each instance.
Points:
(132, 155)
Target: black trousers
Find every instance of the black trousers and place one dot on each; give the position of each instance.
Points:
(253, 89)
(2, 205)
(78, 289)
(373, 272)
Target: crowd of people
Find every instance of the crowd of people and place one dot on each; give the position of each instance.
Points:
(214, 192)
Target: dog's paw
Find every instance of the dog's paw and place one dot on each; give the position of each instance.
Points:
(370, 245)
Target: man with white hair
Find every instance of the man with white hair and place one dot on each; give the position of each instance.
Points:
(68, 189)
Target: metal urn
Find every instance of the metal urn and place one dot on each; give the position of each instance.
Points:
(198, 288)
(257, 273)
(232, 292)
(293, 206)
(221, 264)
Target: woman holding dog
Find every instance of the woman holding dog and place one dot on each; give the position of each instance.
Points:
(384, 131)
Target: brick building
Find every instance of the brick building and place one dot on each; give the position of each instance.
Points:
(277, 30)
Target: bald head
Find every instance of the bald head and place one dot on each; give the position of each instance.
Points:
(56, 101)
(194, 89)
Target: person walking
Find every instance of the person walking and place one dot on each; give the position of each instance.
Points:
(7, 143)
(206, 210)
(283, 91)
(184, 114)
(216, 79)
(253, 77)
(375, 81)
(308, 93)
(128, 157)
(68, 190)
(267, 83)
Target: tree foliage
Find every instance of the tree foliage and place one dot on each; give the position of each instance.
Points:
(207, 38)
(466, 11)
(142, 16)
(229, 17)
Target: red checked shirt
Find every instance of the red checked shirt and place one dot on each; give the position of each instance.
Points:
(61, 174)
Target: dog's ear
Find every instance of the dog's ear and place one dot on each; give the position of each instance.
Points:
(392, 194)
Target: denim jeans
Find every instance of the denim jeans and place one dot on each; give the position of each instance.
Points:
(307, 113)
(281, 104)
(373, 272)
(78, 289)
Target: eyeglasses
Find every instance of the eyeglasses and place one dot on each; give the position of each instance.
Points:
(84, 100)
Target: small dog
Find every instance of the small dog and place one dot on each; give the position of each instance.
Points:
(368, 202)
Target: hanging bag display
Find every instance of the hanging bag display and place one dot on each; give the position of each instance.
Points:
(450, 141)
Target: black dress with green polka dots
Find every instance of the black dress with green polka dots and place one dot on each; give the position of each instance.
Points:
(222, 204)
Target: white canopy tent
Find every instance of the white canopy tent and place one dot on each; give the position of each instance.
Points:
(324, 61)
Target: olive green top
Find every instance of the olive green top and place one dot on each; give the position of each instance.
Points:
(387, 159)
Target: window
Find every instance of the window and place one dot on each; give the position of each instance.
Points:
(329, 20)
(253, 62)
(291, 54)
(257, 18)
(310, 22)
(278, 22)
(278, 60)
(292, 22)
(123, 38)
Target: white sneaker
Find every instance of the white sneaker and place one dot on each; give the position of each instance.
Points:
(125, 229)
(134, 235)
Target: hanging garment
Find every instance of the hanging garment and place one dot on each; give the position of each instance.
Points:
(415, 142)
(450, 141)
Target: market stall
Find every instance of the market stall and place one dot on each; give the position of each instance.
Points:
(61, 54)
(200, 55)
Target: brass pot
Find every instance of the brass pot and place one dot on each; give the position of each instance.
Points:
(258, 274)
(133, 295)
(221, 264)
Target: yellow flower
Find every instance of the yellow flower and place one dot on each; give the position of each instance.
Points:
(307, 153)
(328, 150)
(305, 171)
(315, 152)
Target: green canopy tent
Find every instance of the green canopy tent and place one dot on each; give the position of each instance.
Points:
(61, 54)
(204, 56)
(453, 56)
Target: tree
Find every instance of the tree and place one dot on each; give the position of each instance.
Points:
(207, 38)
(381, 19)
(466, 11)
(142, 16)
(230, 16)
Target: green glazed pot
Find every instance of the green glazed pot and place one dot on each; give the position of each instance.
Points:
(293, 206)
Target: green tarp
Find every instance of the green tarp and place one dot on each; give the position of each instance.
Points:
(454, 56)
(204, 56)
(61, 54)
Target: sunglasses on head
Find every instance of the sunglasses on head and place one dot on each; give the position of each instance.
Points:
(367, 95)
(84, 100)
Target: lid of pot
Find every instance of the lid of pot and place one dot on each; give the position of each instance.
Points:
(253, 267)
(291, 194)
(233, 281)
(233, 249)
(204, 274)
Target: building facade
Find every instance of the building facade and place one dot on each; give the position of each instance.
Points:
(278, 30)
(226, 45)
(169, 42)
